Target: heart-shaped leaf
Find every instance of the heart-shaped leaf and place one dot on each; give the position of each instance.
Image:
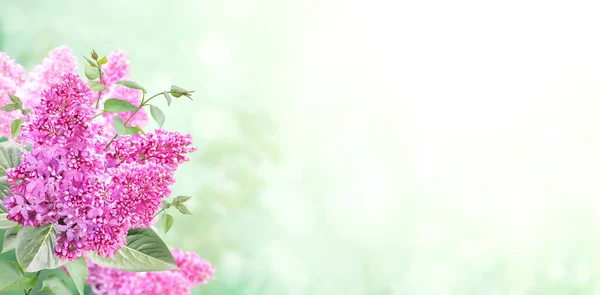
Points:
(35, 248)
(143, 251)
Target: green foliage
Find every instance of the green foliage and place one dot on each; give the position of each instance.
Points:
(55, 285)
(158, 115)
(35, 248)
(91, 63)
(122, 129)
(78, 270)
(181, 199)
(182, 208)
(115, 105)
(97, 86)
(15, 100)
(11, 107)
(10, 155)
(167, 97)
(5, 223)
(10, 240)
(131, 84)
(13, 278)
(91, 72)
(102, 61)
(165, 222)
(15, 127)
(143, 251)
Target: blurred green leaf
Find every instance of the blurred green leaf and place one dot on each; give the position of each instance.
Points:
(182, 208)
(91, 73)
(15, 127)
(97, 86)
(131, 84)
(15, 100)
(11, 107)
(102, 61)
(158, 115)
(165, 222)
(115, 105)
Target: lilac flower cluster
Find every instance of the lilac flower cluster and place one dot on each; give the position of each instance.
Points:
(91, 196)
(13, 80)
(192, 271)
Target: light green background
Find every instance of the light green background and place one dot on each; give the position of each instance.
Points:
(367, 147)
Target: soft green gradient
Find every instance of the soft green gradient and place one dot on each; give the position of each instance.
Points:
(367, 147)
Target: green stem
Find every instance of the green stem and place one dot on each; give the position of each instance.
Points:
(144, 103)
(161, 210)
(99, 92)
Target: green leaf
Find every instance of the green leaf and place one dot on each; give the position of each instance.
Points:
(10, 240)
(55, 285)
(25, 112)
(103, 61)
(35, 248)
(131, 84)
(15, 99)
(91, 73)
(13, 278)
(124, 130)
(3, 139)
(10, 155)
(97, 86)
(9, 273)
(181, 199)
(91, 63)
(5, 223)
(4, 187)
(144, 251)
(167, 97)
(182, 208)
(165, 222)
(158, 115)
(78, 270)
(115, 105)
(15, 127)
(11, 107)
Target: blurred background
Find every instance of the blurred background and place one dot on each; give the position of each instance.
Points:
(367, 147)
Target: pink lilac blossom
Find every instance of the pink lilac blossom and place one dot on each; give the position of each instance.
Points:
(11, 78)
(59, 61)
(13, 81)
(193, 271)
(69, 181)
